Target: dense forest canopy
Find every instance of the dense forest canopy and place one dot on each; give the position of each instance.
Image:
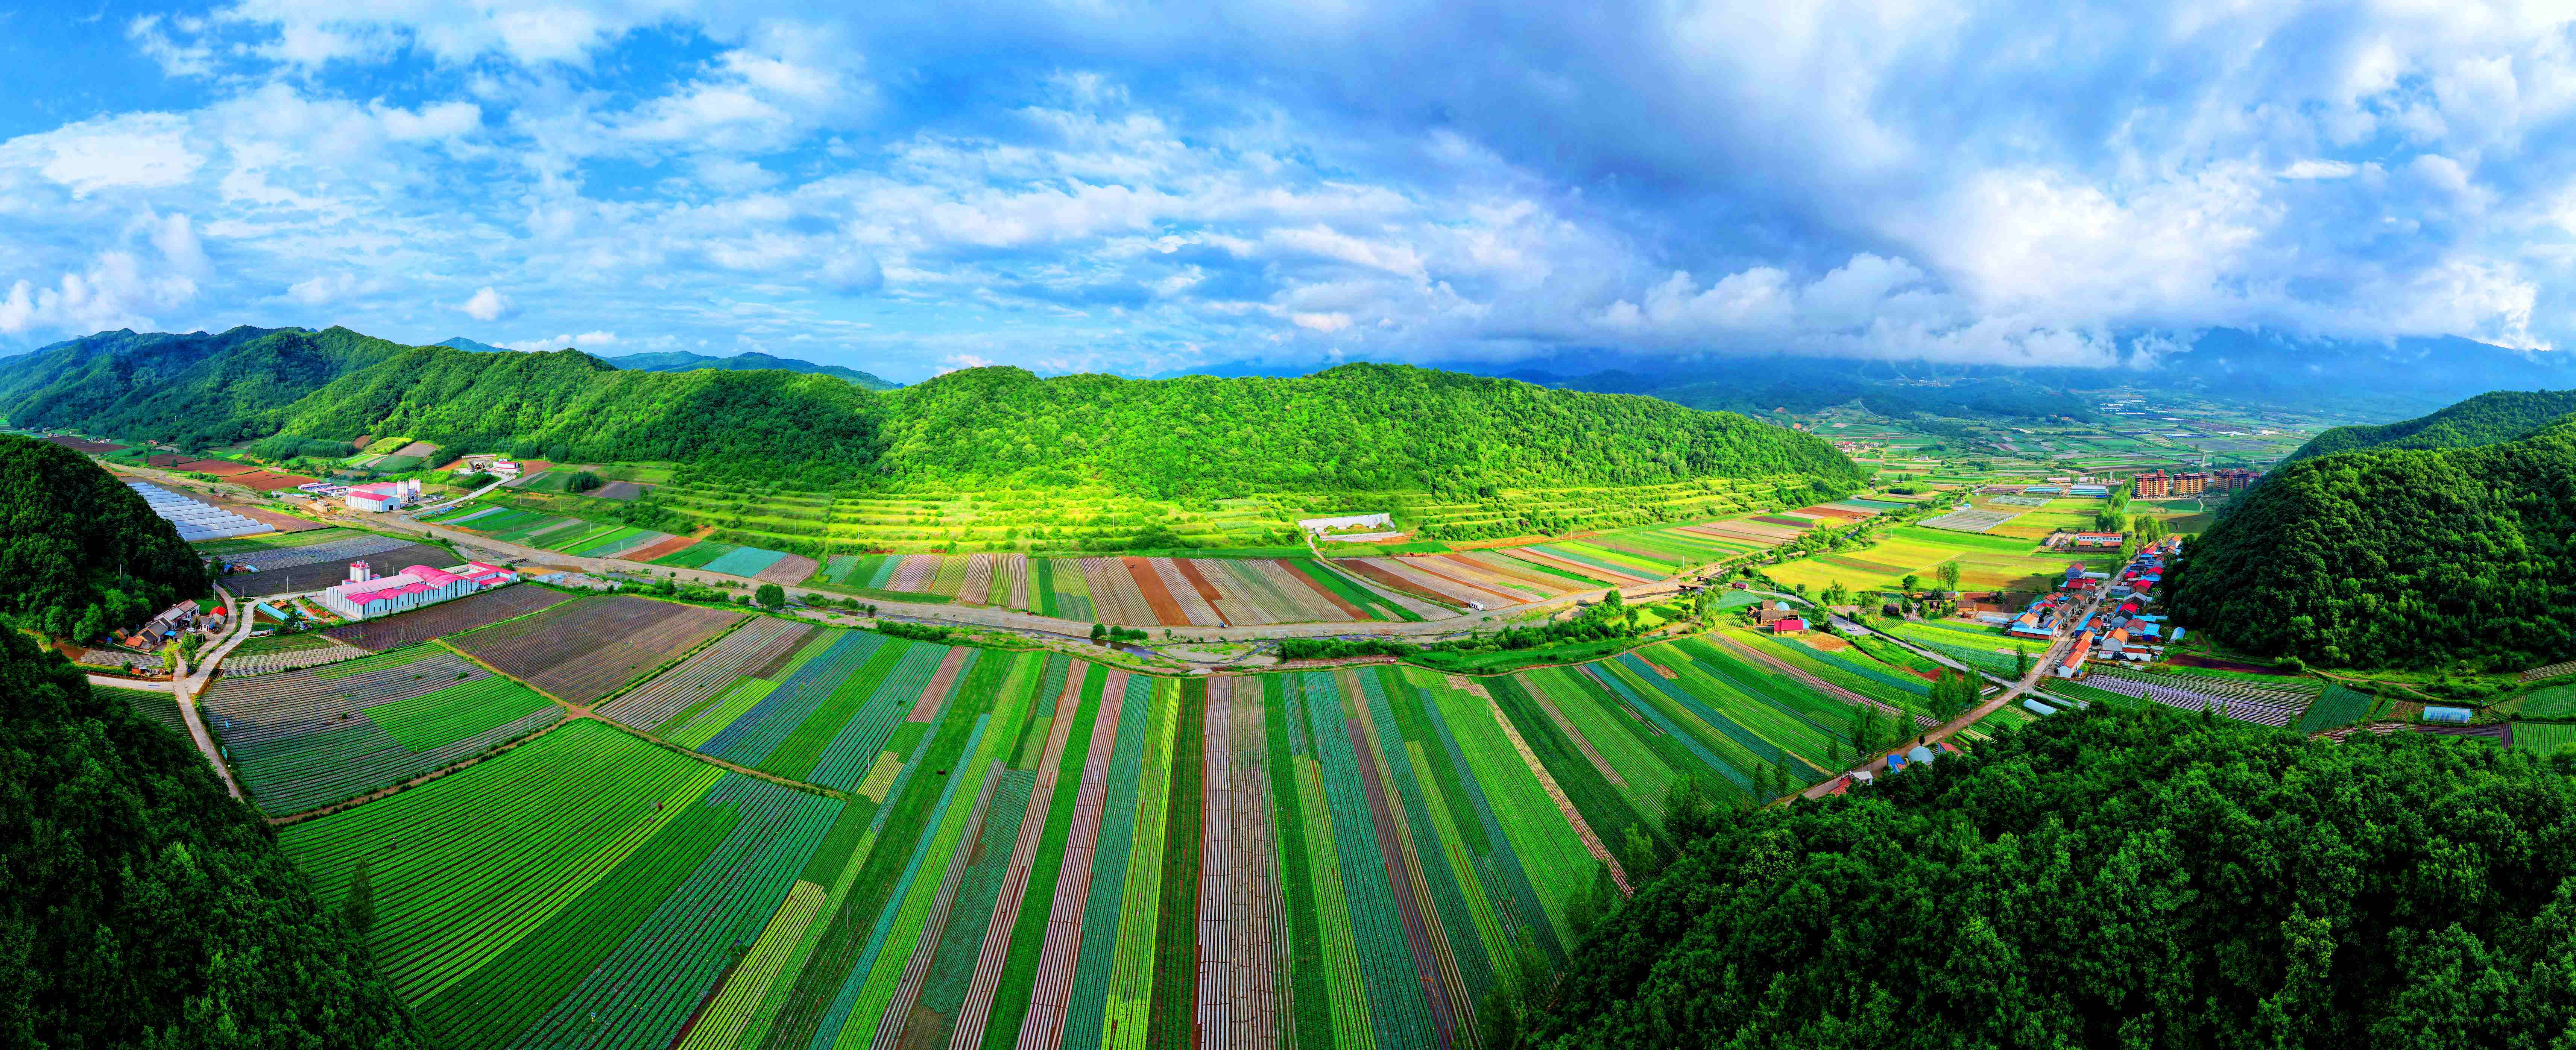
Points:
(2481, 420)
(141, 906)
(1356, 428)
(2106, 879)
(82, 552)
(2397, 557)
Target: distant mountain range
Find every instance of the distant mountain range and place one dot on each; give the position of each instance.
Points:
(2406, 377)
(684, 361)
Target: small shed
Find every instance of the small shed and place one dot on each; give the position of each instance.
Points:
(2037, 708)
(1921, 754)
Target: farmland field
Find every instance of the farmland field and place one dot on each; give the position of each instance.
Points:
(1128, 591)
(1986, 562)
(1024, 849)
(448, 617)
(314, 564)
(581, 651)
(154, 704)
(302, 739)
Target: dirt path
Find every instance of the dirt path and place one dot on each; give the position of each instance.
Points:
(184, 689)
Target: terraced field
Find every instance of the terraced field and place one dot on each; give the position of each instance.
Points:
(303, 739)
(1028, 850)
(1986, 562)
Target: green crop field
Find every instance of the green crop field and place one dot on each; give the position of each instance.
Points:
(975, 847)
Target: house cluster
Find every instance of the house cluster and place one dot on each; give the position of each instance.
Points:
(366, 595)
(2125, 632)
(183, 617)
(1779, 618)
(2156, 484)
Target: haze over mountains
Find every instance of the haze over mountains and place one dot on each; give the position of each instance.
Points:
(684, 361)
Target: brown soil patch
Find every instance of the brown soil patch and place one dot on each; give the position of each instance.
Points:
(1826, 642)
(651, 551)
(1167, 611)
(792, 569)
(222, 468)
(83, 444)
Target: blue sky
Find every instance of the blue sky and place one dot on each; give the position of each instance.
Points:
(1113, 186)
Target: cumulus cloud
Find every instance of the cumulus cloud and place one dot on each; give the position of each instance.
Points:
(583, 341)
(1044, 186)
(487, 305)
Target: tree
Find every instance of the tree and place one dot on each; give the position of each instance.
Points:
(2021, 662)
(1909, 582)
(770, 595)
(360, 906)
(1099, 631)
(1948, 572)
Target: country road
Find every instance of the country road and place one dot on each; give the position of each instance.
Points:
(2014, 691)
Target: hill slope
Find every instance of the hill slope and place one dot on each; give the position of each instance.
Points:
(2481, 420)
(2099, 879)
(684, 361)
(140, 906)
(80, 550)
(195, 388)
(2397, 557)
(1356, 427)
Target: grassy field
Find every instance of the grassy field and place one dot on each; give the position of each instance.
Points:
(991, 848)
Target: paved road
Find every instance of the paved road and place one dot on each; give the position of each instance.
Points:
(434, 508)
(187, 686)
(2014, 691)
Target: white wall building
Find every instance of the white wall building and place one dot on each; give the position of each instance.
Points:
(368, 595)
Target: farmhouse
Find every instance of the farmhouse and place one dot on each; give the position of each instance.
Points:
(2096, 540)
(2074, 662)
(1789, 625)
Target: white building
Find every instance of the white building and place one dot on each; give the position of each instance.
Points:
(368, 595)
(382, 496)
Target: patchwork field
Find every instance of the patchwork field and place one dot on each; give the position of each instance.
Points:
(1986, 562)
(1127, 591)
(445, 618)
(308, 738)
(583, 650)
(1029, 850)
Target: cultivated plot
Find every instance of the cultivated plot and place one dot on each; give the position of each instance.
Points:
(308, 738)
(581, 651)
(445, 618)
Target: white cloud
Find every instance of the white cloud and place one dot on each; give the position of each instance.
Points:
(487, 305)
(136, 151)
(119, 288)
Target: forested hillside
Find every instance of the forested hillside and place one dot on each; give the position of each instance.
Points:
(1355, 427)
(142, 907)
(567, 405)
(2112, 879)
(199, 389)
(2481, 420)
(79, 550)
(2397, 557)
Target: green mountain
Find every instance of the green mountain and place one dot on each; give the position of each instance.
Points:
(81, 551)
(2394, 556)
(142, 907)
(2481, 420)
(1357, 428)
(2102, 879)
(195, 387)
(684, 361)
